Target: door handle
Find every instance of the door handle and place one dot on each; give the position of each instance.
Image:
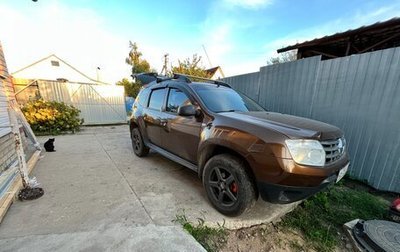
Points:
(163, 122)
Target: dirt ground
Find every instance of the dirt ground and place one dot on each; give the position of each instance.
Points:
(274, 237)
(269, 237)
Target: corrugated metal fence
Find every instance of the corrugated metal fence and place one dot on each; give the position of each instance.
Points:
(359, 93)
(99, 104)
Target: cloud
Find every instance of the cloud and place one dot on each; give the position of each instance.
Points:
(76, 35)
(259, 59)
(224, 22)
(360, 18)
(217, 42)
(249, 4)
(83, 38)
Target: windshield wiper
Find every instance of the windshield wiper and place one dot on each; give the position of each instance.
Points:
(222, 111)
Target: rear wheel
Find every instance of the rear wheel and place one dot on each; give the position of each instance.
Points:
(138, 146)
(228, 186)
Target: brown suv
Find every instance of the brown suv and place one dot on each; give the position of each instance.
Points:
(238, 149)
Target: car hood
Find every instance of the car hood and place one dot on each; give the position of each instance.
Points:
(291, 126)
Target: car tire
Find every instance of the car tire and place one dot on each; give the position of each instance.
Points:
(228, 186)
(139, 148)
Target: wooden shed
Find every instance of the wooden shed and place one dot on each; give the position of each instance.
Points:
(378, 36)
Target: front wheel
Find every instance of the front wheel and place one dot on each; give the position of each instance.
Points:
(228, 186)
(138, 146)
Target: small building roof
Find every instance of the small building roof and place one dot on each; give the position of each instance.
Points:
(212, 71)
(380, 35)
(42, 69)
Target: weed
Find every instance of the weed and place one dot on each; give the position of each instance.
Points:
(321, 217)
(210, 238)
(296, 246)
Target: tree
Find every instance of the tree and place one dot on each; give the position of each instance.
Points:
(283, 57)
(138, 65)
(191, 67)
(131, 88)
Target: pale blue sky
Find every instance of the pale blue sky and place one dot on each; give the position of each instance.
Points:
(239, 35)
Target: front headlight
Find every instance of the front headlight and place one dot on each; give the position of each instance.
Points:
(306, 152)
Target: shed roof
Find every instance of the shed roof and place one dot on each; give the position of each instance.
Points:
(375, 32)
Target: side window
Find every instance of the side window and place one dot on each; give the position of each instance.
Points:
(142, 97)
(176, 98)
(157, 98)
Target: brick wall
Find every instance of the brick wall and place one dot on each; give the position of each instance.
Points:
(7, 152)
(5, 93)
(5, 76)
(7, 145)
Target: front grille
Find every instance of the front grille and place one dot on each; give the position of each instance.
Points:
(334, 149)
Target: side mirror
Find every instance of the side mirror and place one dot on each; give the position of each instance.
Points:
(187, 110)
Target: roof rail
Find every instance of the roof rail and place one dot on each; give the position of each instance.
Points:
(146, 78)
(187, 78)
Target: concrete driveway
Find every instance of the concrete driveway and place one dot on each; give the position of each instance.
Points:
(100, 196)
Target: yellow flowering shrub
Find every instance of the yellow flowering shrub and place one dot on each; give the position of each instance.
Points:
(51, 117)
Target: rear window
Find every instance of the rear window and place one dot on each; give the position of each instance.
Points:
(157, 99)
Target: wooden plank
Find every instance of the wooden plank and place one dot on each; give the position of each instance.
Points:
(12, 193)
(379, 43)
(348, 47)
(323, 53)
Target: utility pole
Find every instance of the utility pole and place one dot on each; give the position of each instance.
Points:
(98, 73)
(165, 66)
(208, 58)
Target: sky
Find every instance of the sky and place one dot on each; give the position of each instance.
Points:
(238, 35)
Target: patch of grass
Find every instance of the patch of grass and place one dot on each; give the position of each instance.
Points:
(322, 216)
(210, 238)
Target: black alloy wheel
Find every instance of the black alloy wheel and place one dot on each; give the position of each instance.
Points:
(139, 148)
(224, 187)
(228, 185)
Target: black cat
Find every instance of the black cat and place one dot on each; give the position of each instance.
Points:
(49, 145)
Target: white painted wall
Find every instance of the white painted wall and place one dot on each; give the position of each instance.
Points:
(217, 76)
(44, 70)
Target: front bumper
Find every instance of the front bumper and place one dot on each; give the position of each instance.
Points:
(283, 194)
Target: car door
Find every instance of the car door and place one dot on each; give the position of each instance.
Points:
(152, 116)
(180, 134)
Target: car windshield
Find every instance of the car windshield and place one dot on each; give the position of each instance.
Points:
(222, 99)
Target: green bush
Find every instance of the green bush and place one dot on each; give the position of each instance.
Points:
(51, 117)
